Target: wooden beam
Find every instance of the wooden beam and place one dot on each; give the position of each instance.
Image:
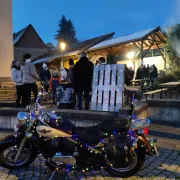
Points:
(161, 53)
(145, 43)
(161, 36)
(137, 46)
(150, 40)
(158, 37)
(144, 54)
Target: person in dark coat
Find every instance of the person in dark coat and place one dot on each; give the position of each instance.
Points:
(83, 74)
(45, 76)
(145, 72)
(127, 80)
(148, 71)
(153, 74)
(138, 73)
(70, 77)
(131, 73)
(70, 73)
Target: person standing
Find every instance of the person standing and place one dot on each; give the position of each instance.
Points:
(153, 74)
(30, 77)
(83, 74)
(70, 74)
(127, 80)
(63, 73)
(53, 84)
(70, 78)
(45, 76)
(131, 73)
(17, 78)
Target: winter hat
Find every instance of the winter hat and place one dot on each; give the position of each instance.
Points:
(83, 54)
(45, 66)
(27, 56)
(71, 62)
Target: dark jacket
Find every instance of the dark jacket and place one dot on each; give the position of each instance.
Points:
(70, 75)
(154, 72)
(146, 72)
(83, 74)
(138, 73)
(131, 74)
(45, 75)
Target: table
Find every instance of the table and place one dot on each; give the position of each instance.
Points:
(171, 85)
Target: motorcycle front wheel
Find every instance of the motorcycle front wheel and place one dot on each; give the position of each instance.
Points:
(8, 153)
(132, 168)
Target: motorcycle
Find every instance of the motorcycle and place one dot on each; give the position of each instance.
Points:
(119, 146)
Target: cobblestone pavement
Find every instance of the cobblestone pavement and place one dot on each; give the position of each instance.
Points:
(167, 166)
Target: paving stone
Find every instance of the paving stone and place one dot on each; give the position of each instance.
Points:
(173, 177)
(156, 172)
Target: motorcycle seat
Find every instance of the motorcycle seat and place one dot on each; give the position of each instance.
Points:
(119, 125)
(90, 135)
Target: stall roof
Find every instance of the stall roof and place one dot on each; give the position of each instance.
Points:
(126, 39)
(74, 49)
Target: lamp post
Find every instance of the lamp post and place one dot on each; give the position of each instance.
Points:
(62, 46)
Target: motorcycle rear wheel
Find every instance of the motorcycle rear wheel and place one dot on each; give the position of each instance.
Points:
(131, 169)
(8, 153)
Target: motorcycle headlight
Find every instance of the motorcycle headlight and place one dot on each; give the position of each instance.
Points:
(140, 123)
(22, 118)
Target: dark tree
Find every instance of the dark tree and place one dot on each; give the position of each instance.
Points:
(172, 46)
(66, 31)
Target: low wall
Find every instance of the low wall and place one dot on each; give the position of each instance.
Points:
(8, 116)
(164, 111)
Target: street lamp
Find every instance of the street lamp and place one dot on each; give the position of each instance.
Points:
(130, 55)
(62, 46)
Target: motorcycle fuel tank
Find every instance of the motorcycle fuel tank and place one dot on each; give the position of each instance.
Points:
(46, 131)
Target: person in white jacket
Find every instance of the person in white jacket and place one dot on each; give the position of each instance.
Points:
(17, 78)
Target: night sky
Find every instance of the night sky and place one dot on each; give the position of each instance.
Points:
(94, 17)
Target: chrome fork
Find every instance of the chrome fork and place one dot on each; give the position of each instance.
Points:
(20, 149)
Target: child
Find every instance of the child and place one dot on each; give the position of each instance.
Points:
(53, 84)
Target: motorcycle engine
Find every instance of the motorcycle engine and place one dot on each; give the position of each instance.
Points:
(62, 161)
(118, 150)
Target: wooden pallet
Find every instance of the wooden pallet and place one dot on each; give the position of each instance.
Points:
(108, 88)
